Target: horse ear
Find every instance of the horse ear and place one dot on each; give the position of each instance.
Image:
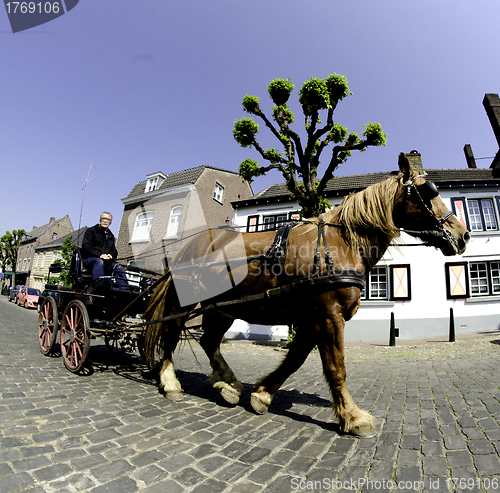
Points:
(404, 166)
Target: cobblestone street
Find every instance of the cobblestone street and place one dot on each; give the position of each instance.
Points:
(112, 431)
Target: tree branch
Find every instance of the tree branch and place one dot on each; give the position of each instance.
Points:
(334, 162)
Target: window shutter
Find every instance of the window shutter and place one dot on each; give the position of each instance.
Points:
(252, 224)
(400, 283)
(457, 280)
(459, 208)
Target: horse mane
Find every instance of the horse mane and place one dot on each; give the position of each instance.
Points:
(367, 215)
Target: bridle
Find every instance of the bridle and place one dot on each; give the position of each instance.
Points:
(423, 194)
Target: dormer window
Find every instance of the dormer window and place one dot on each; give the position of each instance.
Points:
(154, 181)
(218, 192)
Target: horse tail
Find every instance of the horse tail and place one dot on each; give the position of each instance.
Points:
(156, 310)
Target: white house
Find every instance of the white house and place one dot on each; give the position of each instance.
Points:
(414, 282)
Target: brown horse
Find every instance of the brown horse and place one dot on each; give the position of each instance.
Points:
(357, 233)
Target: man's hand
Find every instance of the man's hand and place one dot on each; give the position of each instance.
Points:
(106, 256)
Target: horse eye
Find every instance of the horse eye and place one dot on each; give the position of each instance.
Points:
(428, 191)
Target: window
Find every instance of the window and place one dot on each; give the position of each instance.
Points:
(35, 260)
(154, 181)
(218, 192)
(43, 259)
(400, 282)
(252, 224)
(484, 278)
(152, 184)
(274, 222)
(378, 283)
(54, 257)
(376, 287)
(142, 227)
(29, 264)
(54, 236)
(477, 214)
(173, 224)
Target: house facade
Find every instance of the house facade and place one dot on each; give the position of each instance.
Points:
(415, 283)
(162, 212)
(38, 236)
(50, 253)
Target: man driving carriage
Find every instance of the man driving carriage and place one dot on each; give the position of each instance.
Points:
(99, 251)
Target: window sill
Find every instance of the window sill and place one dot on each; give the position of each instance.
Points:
(483, 299)
(135, 242)
(377, 303)
(218, 201)
(493, 232)
(173, 237)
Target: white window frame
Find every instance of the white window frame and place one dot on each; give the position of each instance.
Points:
(481, 216)
(376, 284)
(174, 221)
(484, 278)
(218, 192)
(142, 226)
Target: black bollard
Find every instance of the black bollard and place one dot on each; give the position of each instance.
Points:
(392, 336)
(452, 326)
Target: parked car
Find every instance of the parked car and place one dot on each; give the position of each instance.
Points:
(28, 297)
(13, 292)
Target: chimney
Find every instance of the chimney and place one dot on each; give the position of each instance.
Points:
(415, 160)
(52, 219)
(491, 103)
(469, 156)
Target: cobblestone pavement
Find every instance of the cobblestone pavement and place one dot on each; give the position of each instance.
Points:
(112, 431)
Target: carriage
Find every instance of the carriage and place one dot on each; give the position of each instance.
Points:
(105, 308)
(311, 274)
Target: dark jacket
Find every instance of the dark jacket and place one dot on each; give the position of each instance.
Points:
(95, 243)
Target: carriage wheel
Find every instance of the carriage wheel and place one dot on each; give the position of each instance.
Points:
(47, 325)
(75, 336)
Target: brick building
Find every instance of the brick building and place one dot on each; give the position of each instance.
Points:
(41, 235)
(162, 210)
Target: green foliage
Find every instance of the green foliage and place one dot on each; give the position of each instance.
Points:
(65, 261)
(299, 160)
(249, 169)
(9, 245)
(244, 132)
(338, 88)
(280, 90)
(374, 134)
(273, 155)
(314, 96)
(338, 133)
(282, 115)
(251, 104)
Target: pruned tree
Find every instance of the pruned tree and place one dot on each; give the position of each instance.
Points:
(9, 244)
(299, 162)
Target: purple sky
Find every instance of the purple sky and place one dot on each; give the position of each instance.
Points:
(134, 87)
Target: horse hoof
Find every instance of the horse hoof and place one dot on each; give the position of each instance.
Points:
(174, 395)
(364, 432)
(228, 393)
(258, 404)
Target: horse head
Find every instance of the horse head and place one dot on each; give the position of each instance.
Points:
(420, 212)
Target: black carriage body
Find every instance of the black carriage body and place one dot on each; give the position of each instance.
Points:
(107, 307)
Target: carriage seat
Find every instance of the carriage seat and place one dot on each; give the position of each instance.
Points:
(79, 272)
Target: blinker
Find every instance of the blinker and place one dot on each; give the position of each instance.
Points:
(428, 191)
